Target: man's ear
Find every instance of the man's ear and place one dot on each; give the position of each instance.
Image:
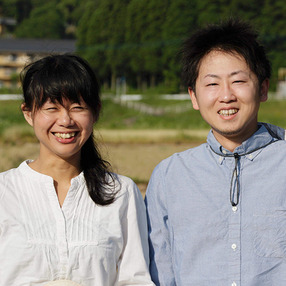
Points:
(27, 114)
(264, 90)
(193, 98)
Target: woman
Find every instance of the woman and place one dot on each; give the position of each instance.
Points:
(64, 216)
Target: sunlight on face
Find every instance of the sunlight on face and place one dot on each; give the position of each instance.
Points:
(228, 96)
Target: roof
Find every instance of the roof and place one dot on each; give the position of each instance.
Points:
(40, 46)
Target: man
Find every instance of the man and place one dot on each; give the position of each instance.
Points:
(217, 212)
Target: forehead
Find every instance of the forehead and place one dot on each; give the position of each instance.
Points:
(220, 63)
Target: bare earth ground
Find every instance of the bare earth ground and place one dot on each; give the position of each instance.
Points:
(138, 160)
(132, 153)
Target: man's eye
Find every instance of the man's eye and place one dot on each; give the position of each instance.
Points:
(212, 84)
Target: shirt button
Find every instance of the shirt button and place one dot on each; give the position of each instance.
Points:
(250, 156)
(234, 209)
(233, 246)
(224, 151)
(233, 284)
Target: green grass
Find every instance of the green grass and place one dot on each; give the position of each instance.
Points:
(10, 114)
(274, 112)
(114, 116)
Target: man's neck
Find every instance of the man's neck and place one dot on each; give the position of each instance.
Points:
(230, 142)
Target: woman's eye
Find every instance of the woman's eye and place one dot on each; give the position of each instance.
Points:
(212, 84)
(51, 108)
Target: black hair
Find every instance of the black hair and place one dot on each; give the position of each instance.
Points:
(232, 36)
(58, 77)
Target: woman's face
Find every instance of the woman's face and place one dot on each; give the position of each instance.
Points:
(63, 129)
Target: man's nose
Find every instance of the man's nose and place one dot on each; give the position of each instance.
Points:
(226, 94)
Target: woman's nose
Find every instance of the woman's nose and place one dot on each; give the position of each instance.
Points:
(65, 119)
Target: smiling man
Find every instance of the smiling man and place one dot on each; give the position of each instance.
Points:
(217, 212)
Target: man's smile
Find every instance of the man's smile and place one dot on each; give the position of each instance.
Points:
(228, 112)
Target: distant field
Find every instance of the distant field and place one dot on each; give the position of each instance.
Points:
(117, 117)
(134, 143)
(135, 160)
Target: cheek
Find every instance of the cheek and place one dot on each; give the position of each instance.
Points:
(87, 124)
(40, 122)
(206, 101)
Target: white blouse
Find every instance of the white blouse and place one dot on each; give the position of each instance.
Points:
(89, 244)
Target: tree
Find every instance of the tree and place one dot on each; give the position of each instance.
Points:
(19, 9)
(181, 21)
(272, 25)
(135, 26)
(45, 21)
(92, 39)
(72, 11)
(115, 16)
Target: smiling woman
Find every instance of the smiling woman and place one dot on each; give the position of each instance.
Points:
(78, 221)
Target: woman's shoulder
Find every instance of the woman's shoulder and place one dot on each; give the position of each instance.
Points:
(15, 173)
(11, 173)
(10, 181)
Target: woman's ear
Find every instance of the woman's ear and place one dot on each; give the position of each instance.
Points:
(27, 114)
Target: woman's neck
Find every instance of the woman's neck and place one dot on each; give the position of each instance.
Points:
(62, 171)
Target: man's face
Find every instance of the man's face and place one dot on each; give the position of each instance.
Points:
(228, 97)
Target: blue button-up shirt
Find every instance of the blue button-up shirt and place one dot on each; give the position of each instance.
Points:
(197, 237)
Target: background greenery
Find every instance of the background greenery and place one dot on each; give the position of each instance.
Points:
(14, 129)
(139, 40)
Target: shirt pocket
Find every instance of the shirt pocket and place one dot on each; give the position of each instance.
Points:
(270, 234)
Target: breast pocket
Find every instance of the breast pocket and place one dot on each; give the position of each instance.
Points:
(270, 234)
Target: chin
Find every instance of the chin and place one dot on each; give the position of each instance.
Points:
(228, 132)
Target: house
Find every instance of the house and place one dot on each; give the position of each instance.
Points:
(16, 53)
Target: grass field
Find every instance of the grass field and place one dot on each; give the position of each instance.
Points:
(134, 143)
(135, 160)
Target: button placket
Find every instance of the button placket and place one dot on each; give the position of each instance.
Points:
(234, 245)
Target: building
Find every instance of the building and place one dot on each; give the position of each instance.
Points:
(16, 53)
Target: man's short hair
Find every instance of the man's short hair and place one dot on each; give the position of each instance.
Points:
(233, 36)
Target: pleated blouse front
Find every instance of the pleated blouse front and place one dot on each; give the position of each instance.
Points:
(41, 241)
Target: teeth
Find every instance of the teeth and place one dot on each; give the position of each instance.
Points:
(228, 112)
(65, 135)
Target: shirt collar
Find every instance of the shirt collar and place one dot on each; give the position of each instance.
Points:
(26, 170)
(259, 139)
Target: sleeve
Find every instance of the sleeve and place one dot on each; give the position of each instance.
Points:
(133, 268)
(161, 267)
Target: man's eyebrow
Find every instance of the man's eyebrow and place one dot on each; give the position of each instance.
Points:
(238, 72)
(230, 75)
